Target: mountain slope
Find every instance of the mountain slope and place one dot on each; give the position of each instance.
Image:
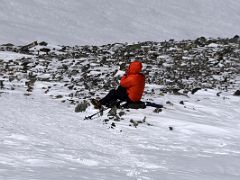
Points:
(100, 22)
(196, 136)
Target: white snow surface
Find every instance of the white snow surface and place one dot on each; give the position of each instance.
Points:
(98, 22)
(7, 56)
(42, 138)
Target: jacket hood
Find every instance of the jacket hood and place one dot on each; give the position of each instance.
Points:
(135, 67)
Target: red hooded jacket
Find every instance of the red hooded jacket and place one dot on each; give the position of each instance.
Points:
(134, 81)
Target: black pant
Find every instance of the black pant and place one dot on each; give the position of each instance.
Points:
(115, 94)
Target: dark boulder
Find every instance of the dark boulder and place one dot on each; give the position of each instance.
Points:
(43, 43)
(237, 93)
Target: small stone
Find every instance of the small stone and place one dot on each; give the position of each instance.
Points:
(117, 118)
(113, 125)
(58, 96)
(134, 123)
(195, 90)
(105, 120)
(82, 106)
(237, 93)
(46, 50)
(157, 110)
(8, 44)
(170, 103)
(149, 124)
(1, 84)
(43, 43)
(121, 113)
(113, 111)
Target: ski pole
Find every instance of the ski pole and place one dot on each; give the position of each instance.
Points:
(99, 112)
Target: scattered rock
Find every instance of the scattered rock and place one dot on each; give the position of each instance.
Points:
(157, 110)
(82, 106)
(195, 90)
(25, 49)
(169, 103)
(8, 45)
(113, 111)
(59, 96)
(218, 94)
(237, 93)
(113, 125)
(235, 39)
(43, 43)
(121, 113)
(134, 123)
(200, 41)
(105, 121)
(181, 102)
(175, 65)
(46, 50)
(1, 84)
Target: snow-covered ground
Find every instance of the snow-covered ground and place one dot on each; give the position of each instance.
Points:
(108, 21)
(42, 138)
(195, 137)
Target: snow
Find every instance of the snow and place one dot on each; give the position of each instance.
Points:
(7, 56)
(213, 45)
(108, 21)
(42, 138)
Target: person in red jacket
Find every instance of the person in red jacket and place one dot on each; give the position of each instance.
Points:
(130, 90)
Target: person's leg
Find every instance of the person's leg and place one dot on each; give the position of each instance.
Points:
(122, 94)
(119, 94)
(111, 96)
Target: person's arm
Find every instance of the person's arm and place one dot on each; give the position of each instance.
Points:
(126, 81)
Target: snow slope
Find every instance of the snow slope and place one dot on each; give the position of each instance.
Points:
(42, 138)
(107, 21)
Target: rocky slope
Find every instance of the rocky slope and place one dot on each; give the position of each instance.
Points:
(81, 72)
